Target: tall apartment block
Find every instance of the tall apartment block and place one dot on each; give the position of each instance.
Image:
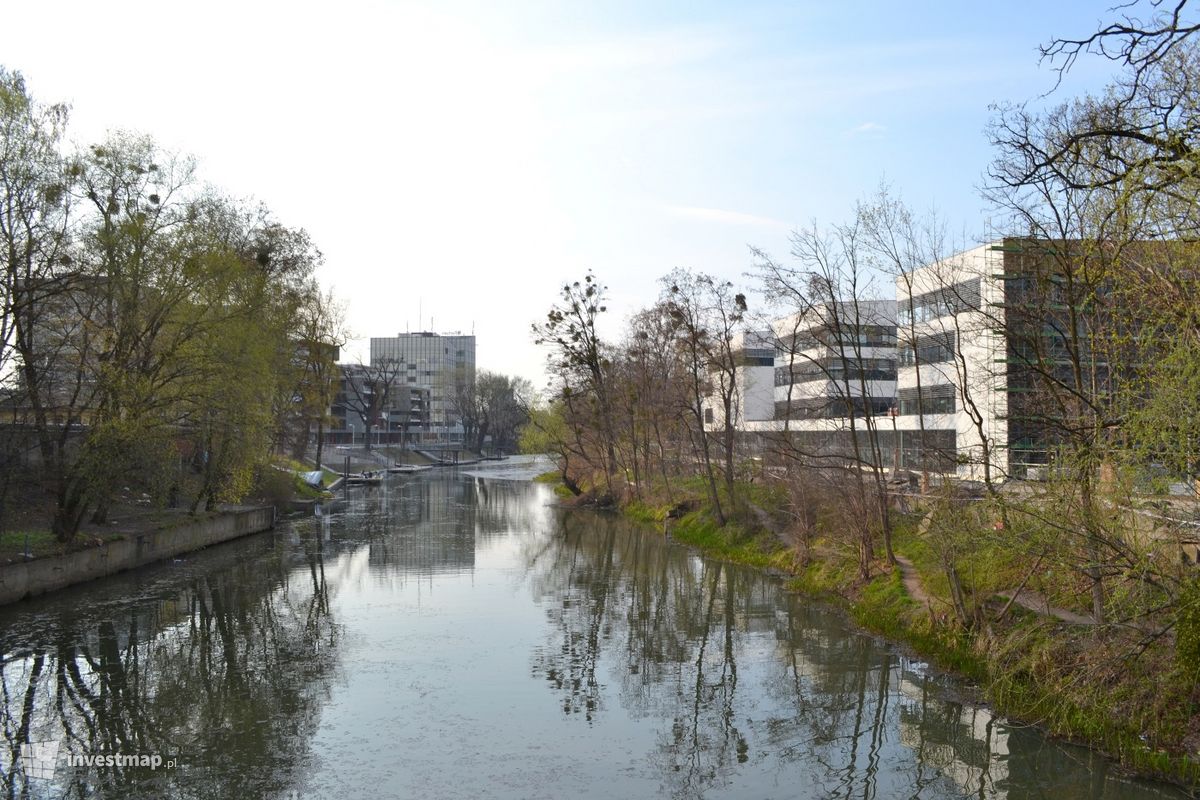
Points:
(443, 364)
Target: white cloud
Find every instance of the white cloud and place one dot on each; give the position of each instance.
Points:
(869, 128)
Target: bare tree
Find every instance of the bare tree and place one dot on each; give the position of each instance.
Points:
(579, 367)
(368, 392)
(829, 289)
(320, 335)
(498, 407)
(706, 314)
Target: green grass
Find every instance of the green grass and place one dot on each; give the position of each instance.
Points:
(733, 542)
(327, 476)
(300, 489)
(554, 480)
(303, 491)
(41, 543)
(644, 512)
(1061, 678)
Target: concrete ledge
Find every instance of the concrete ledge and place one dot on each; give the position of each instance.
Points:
(41, 575)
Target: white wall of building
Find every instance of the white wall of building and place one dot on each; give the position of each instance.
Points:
(976, 370)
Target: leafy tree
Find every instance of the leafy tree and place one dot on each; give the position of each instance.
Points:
(35, 266)
(318, 338)
(549, 432)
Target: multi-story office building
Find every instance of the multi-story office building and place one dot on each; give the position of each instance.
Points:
(441, 364)
(835, 380)
(952, 400)
(1002, 352)
(822, 380)
(978, 363)
(399, 413)
(753, 391)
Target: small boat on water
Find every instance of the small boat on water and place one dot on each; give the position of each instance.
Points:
(371, 478)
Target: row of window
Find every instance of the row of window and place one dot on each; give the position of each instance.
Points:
(757, 357)
(831, 407)
(847, 337)
(940, 303)
(937, 399)
(833, 369)
(932, 349)
(929, 449)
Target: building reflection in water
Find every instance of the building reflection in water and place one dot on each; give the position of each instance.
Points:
(757, 693)
(729, 685)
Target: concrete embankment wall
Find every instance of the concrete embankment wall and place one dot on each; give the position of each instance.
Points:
(41, 575)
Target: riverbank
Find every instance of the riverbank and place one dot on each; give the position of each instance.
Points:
(1123, 696)
(126, 550)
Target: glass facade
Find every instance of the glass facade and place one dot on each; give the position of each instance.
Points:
(936, 399)
(442, 364)
(836, 369)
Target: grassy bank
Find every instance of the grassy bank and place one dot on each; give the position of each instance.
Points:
(1070, 680)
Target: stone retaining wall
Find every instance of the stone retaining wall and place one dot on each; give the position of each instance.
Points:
(41, 575)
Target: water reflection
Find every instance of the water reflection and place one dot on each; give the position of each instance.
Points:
(239, 656)
(460, 636)
(755, 693)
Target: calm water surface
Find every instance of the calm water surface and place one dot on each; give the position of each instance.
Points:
(458, 636)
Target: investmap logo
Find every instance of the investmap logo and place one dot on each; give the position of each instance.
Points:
(38, 759)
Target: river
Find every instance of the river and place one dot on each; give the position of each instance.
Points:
(460, 636)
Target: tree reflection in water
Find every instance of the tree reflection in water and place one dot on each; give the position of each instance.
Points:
(755, 693)
(664, 669)
(226, 673)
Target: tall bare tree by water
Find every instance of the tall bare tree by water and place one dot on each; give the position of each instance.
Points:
(706, 314)
(579, 364)
(828, 285)
(369, 392)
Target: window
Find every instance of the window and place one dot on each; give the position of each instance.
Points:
(930, 349)
(708, 415)
(941, 302)
(836, 369)
(831, 407)
(937, 399)
(760, 357)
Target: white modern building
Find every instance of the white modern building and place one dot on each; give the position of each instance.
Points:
(831, 379)
(961, 375)
(951, 385)
(754, 389)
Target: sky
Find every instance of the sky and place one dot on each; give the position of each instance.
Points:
(458, 161)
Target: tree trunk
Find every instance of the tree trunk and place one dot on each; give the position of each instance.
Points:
(320, 442)
(72, 507)
(1093, 549)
